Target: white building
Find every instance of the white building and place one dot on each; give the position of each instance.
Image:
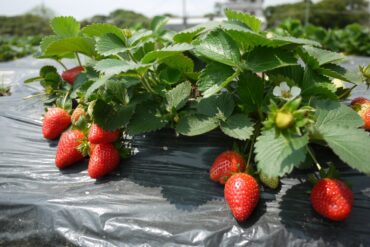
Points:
(253, 7)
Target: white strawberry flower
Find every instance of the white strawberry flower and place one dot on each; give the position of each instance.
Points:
(285, 92)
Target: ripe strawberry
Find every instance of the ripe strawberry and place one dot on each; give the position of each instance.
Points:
(332, 199)
(77, 113)
(225, 165)
(366, 117)
(98, 136)
(71, 74)
(67, 152)
(359, 101)
(271, 182)
(242, 193)
(103, 160)
(56, 120)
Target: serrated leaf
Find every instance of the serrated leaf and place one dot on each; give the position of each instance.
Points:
(335, 113)
(158, 23)
(243, 36)
(263, 59)
(214, 74)
(112, 118)
(178, 96)
(278, 40)
(192, 125)
(238, 126)
(65, 26)
(96, 85)
(341, 73)
(278, 155)
(219, 47)
(321, 90)
(251, 21)
(111, 67)
(179, 62)
(110, 44)
(140, 36)
(187, 35)
(166, 52)
(101, 29)
(293, 74)
(116, 89)
(350, 144)
(221, 106)
(46, 41)
(250, 91)
(323, 56)
(145, 119)
(68, 45)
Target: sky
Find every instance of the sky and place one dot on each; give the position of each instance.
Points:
(81, 9)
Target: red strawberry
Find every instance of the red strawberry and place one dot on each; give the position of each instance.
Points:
(98, 136)
(332, 199)
(56, 120)
(242, 193)
(366, 117)
(225, 165)
(359, 101)
(71, 74)
(103, 160)
(67, 152)
(77, 113)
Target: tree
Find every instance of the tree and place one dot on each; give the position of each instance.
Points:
(326, 13)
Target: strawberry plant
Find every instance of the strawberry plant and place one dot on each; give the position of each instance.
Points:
(273, 93)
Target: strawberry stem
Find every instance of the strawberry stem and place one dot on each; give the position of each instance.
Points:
(314, 158)
(78, 59)
(61, 64)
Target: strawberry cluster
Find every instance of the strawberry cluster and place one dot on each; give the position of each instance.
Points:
(80, 140)
(330, 197)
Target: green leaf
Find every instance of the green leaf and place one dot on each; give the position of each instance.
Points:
(116, 89)
(321, 90)
(46, 41)
(179, 62)
(101, 29)
(250, 91)
(96, 85)
(187, 35)
(221, 106)
(68, 45)
(238, 126)
(219, 47)
(341, 73)
(146, 119)
(112, 118)
(111, 67)
(334, 113)
(166, 52)
(323, 56)
(278, 41)
(140, 36)
(192, 125)
(350, 144)
(110, 44)
(158, 23)
(243, 36)
(178, 96)
(263, 59)
(278, 155)
(251, 21)
(215, 74)
(65, 26)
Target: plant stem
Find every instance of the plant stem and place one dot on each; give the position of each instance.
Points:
(256, 133)
(62, 64)
(314, 158)
(346, 92)
(78, 59)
